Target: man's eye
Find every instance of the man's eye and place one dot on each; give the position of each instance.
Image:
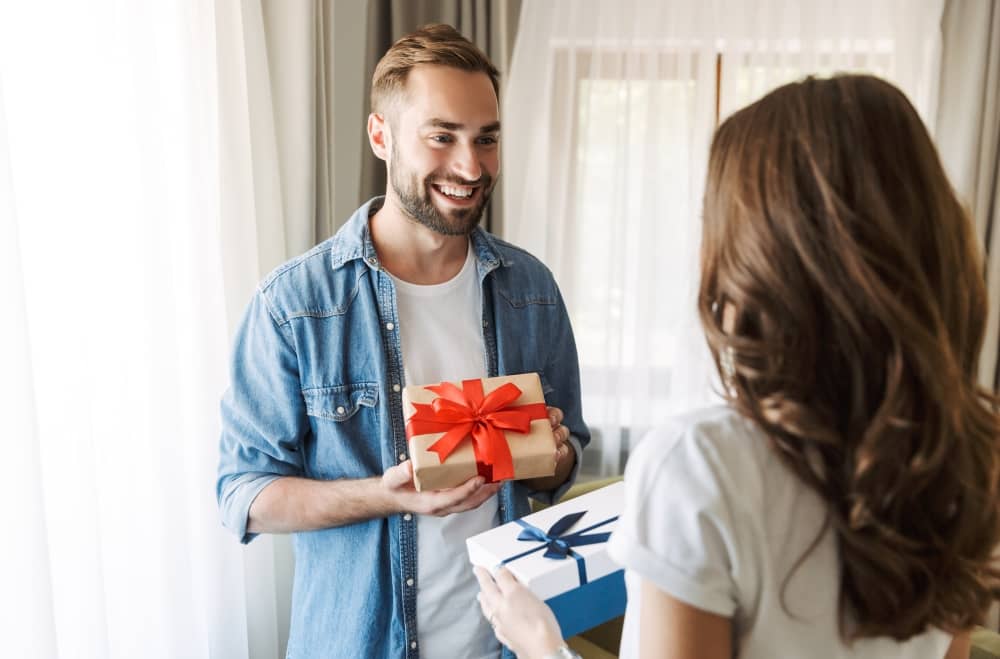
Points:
(442, 139)
(488, 139)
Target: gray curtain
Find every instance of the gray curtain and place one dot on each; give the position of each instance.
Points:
(295, 122)
(967, 131)
(298, 82)
(490, 24)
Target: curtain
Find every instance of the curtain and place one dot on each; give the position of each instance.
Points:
(26, 609)
(613, 104)
(490, 24)
(968, 137)
(276, 88)
(144, 190)
(291, 132)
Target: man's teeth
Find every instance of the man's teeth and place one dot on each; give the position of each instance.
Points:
(461, 193)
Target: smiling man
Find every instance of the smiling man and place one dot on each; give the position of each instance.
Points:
(410, 290)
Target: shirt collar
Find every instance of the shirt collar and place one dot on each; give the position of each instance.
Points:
(354, 241)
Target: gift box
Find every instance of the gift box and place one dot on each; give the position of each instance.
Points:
(496, 427)
(560, 554)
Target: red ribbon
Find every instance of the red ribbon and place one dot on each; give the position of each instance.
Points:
(460, 413)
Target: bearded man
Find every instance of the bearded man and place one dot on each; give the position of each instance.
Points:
(409, 290)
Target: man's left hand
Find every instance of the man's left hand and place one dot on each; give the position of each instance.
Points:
(564, 457)
(565, 454)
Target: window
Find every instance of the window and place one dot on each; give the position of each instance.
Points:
(636, 148)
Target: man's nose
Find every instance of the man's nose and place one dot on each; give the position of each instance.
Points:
(466, 163)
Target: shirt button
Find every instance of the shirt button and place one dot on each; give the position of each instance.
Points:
(395, 387)
(402, 457)
(407, 517)
(413, 645)
(341, 410)
(372, 260)
(409, 582)
(389, 326)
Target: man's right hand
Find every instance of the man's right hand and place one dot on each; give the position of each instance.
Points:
(290, 504)
(398, 484)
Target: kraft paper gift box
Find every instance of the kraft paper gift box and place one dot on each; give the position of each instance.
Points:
(560, 554)
(496, 427)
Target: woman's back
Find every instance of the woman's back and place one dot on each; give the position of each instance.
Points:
(714, 518)
(842, 297)
(843, 302)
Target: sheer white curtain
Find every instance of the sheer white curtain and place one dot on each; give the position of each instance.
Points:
(608, 113)
(123, 267)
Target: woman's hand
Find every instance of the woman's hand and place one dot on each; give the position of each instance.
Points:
(520, 620)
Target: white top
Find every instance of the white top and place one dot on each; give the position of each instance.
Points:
(715, 520)
(442, 339)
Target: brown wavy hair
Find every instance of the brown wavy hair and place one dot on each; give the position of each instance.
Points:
(843, 300)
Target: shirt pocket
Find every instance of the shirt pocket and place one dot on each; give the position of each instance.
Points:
(342, 402)
(345, 431)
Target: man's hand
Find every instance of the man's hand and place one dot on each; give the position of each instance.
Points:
(292, 504)
(397, 482)
(564, 457)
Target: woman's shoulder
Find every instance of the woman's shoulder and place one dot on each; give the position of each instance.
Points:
(716, 434)
(691, 518)
(712, 457)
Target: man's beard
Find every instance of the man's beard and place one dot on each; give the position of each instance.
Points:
(415, 201)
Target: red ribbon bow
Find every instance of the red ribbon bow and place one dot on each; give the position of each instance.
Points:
(462, 412)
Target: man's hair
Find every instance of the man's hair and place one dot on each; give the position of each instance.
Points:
(832, 232)
(440, 45)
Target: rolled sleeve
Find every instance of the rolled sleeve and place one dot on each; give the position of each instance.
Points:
(677, 529)
(238, 494)
(263, 416)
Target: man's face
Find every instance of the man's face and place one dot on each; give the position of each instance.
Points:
(444, 156)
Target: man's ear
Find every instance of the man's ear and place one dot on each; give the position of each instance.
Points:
(379, 135)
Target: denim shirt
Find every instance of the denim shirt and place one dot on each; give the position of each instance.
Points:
(317, 373)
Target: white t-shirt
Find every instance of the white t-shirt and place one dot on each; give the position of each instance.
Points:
(715, 520)
(442, 339)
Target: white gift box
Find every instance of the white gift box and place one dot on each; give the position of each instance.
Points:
(584, 587)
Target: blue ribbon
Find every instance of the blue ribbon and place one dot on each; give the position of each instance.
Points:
(558, 544)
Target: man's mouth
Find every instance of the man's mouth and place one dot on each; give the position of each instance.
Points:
(455, 192)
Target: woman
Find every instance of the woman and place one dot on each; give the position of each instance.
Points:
(844, 503)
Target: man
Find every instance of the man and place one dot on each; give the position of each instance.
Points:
(410, 290)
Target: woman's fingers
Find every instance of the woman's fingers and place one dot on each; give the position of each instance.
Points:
(506, 581)
(488, 588)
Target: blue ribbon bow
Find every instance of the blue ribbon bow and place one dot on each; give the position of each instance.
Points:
(557, 544)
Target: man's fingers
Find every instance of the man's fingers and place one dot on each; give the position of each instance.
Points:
(484, 493)
(555, 416)
(470, 494)
(563, 447)
(474, 500)
(562, 450)
(399, 475)
(469, 487)
(447, 500)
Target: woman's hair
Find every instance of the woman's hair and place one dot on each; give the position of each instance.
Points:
(843, 300)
